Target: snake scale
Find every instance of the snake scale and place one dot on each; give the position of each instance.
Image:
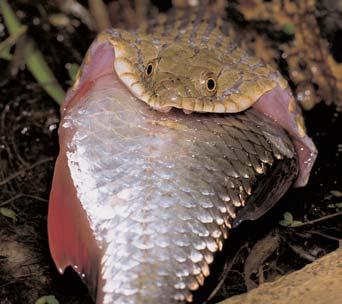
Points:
(142, 199)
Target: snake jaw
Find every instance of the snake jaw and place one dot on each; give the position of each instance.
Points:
(279, 105)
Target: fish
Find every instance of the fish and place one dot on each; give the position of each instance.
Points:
(143, 197)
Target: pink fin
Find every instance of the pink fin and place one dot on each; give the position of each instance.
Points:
(70, 238)
(276, 105)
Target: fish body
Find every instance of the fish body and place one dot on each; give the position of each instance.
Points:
(142, 200)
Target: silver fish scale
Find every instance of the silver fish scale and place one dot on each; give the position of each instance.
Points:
(161, 190)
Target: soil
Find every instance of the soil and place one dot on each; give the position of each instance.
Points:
(28, 148)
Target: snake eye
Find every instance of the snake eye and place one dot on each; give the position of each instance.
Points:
(149, 69)
(207, 84)
(211, 85)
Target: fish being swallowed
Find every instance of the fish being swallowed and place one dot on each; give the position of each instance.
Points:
(168, 139)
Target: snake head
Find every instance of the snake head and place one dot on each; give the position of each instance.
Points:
(195, 78)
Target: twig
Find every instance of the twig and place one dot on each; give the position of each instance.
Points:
(302, 253)
(22, 276)
(22, 195)
(10, 200)
(226, 270)
(258, 255)
(16, 174)
(329, 216)
(35, 197)
(330, 237)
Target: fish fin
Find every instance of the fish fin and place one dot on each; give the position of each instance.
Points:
(71, 240)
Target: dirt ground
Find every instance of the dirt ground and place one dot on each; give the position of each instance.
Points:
(29, 145)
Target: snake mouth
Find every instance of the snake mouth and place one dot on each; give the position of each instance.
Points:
(168, 109)
(164, 102)
(190, 104)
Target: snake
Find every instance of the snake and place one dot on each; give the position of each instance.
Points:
(170, 136)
